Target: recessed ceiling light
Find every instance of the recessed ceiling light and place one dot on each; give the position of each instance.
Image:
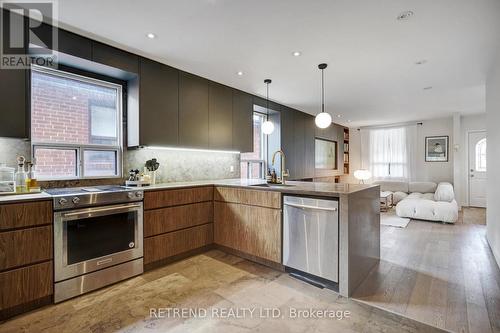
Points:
(428, 88)
(151, 35)
(405, 15)
(421, 62)
(73, 98)
(240, 73)
(297, 54)
(349, 120)
(339, 115)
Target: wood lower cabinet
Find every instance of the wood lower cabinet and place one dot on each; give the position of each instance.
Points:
(164, 246)
(25, 287)
(248, 221)
(159, 221)
(250, 229)
(25, 214)
(177, 222)
(248, 197)
(166, 198)
(26, 251)
(25, 246)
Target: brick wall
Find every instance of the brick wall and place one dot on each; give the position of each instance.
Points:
(60, 113)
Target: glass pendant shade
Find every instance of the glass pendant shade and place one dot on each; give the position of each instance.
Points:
(323, 120)
(267, 127)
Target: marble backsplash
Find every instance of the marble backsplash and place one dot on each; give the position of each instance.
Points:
(10, 149)
(175, 165)
(185, 165)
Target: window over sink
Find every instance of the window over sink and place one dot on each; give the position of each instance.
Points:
(76, 129)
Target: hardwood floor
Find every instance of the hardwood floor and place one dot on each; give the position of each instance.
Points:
(213, 281)
(440, 274)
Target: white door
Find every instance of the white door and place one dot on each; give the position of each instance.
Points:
(477, 169)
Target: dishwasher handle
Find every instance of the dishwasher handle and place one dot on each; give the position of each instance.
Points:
(329, 209)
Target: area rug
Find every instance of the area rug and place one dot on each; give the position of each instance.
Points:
(391, 219)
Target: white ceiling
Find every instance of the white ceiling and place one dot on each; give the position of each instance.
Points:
(372, 77)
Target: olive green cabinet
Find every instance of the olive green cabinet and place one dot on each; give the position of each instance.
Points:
(113, 57)
(159, 104)
(14, 110)
(193, 111)
(297, 141)
(242, 121)
(220, 116)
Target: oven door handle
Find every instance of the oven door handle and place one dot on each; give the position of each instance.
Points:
(100, 210)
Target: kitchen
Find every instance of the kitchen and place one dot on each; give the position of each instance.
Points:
(117, 169)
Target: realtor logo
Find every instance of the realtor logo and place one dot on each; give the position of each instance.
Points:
(28, 33)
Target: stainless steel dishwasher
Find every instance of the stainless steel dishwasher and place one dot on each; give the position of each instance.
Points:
(311, 239)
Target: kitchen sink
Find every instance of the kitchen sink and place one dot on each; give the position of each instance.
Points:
(272, 185)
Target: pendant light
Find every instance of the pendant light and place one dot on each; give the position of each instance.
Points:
(323, 119)
(267, 126)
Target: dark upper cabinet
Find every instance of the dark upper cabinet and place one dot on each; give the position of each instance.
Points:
(67, 42)
(297, 141)
(220, 116)
(193, 111)
(74, 45)
(242, 121)
(328, 133)
(114, 57)
(299, 148)
(309, 138)
(159, 104)
(14, 110)
(288, 138)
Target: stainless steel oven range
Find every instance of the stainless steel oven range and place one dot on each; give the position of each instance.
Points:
(98, 238)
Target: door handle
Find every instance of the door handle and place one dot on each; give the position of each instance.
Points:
(331, 209)
(471, 176)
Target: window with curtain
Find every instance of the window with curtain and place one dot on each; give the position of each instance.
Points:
(389, 157)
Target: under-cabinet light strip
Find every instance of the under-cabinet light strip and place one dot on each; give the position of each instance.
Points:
(192, 149)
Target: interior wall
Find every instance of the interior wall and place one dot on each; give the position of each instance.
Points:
(434, 171)
(424, 171)
(493, 160)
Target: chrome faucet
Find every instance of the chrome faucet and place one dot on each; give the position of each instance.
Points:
(284, 172)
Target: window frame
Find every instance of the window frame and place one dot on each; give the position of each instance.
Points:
(262, 161)
(81, 148)
(478, 152)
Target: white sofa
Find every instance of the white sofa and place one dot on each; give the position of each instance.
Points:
(422, 200)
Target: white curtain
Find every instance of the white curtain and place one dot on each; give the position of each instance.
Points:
(389, 153)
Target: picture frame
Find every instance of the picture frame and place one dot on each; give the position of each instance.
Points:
(325, 154)
(437, 148)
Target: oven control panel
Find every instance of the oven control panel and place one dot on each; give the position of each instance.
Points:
(73, 201)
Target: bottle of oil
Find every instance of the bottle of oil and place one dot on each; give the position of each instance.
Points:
(31, 182)
(20, 176)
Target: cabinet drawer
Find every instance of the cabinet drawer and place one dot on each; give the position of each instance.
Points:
(19, 215)
(166, 198)
(25, 284)
(169, 219)
(26, 246)
(167, 245)
(248, 197)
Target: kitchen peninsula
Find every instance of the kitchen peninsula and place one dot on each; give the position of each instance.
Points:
(247, 220)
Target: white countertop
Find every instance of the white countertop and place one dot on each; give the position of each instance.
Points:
(24, 197)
